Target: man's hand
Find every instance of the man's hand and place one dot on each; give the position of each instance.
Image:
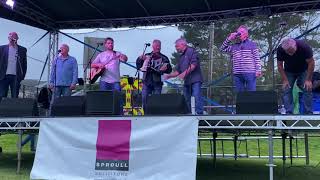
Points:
(166, 76)
(232, 36)
(143, 57)
(164, 67)
(50, 86)
(101, 66)
(258, 74)
(73, 86)
(307, 85)
(285, 84)
(182, 76)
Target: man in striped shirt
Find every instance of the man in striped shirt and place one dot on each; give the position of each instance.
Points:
(245, 59)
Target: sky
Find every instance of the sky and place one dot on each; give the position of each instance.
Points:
(128, 41)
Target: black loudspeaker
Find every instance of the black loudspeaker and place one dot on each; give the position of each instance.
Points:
(68, 106)
(162, 104)
(257, 102)
(103, 103)
(18, 107)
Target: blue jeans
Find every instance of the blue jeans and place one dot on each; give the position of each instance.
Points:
(150, 89)
(306, 95)
(9, 81)
(104, 86)
(245, 82)
(62, 91)
(194, 89)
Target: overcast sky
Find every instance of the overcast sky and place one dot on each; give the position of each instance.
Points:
(128, 41)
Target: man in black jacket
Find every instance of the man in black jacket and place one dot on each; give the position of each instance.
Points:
(13, 66)
(157, 65)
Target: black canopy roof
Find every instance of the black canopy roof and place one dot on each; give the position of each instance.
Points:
(69, 14)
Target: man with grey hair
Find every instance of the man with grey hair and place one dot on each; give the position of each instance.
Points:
(64, 73)
(296, 63)
(158, 65)
(188, 69)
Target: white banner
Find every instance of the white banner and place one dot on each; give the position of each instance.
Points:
(143, 148)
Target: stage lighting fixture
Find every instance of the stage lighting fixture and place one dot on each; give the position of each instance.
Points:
(10, 3)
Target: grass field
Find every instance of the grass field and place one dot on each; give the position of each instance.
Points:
(242, 169)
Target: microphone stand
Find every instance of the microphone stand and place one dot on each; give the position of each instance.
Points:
(138, 72)
(89, 64)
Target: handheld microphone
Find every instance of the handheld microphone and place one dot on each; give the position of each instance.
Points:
(238, 34)
(147, 44)
(59, 51)
(100, 43)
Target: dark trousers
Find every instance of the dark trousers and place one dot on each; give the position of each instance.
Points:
(9, 81)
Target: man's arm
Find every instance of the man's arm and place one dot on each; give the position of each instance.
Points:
(310, 69)
(194, 62)
(281, 71)
(24, 63)
(75, 73)
(96, 62)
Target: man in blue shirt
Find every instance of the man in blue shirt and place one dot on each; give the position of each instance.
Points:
(64, 73)
(188, 69)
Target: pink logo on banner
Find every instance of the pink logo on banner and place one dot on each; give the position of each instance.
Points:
(113, 145)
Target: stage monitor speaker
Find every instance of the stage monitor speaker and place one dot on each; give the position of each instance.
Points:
(18, 107)
(68, 106)
(257, 102)
(162, 104)
(103, 103)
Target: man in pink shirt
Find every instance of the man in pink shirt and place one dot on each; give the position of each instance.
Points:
(110, 60)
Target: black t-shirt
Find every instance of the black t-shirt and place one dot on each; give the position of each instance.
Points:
(297, 62)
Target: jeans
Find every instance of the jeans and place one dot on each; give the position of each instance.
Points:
(245, 82)
(306, 95)
(104, 86)
(62, 91)
(194, 89)
(9, 81)
(150, 89)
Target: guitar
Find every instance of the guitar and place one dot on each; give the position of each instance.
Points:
(95, 73)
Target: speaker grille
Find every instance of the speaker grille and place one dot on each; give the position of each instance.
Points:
(103, 103)
(257, 102)
(162, 104)
(18, 107)
(68, 106)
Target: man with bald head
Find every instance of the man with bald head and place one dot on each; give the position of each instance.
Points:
(64, 73)
(13, 66)
(296, 64)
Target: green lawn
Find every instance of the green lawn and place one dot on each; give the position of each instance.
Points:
(242, 169)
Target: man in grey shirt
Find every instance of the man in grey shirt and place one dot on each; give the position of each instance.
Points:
(188, 69)
(13, 66)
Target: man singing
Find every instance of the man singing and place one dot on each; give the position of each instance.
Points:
(159, 64)
(245, 59)
(188, 69)
(64, 73)
(13, 66)
(296, 63)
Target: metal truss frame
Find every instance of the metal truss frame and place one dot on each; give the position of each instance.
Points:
(31, 14)
(189, 18)
(260, 122)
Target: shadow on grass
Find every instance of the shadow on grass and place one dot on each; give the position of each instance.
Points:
(8, 166)
(252, 169)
